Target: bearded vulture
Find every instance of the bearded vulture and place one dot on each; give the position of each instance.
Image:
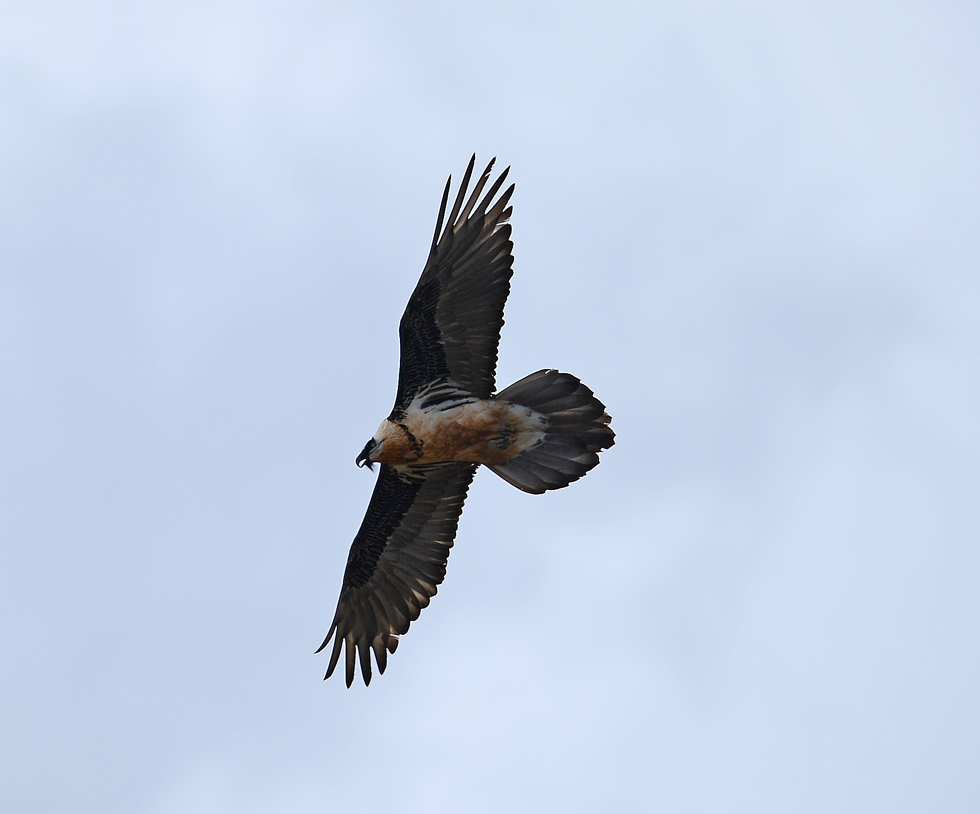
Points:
(540, 433)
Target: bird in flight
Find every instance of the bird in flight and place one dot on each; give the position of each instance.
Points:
(540, 433)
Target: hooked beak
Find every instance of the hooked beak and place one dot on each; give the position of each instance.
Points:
(364, 457)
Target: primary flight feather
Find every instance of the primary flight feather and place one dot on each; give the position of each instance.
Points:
(540, 433)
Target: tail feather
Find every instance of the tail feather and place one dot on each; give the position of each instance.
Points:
(576, 430)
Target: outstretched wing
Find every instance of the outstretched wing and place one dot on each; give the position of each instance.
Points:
(397, 560)
(451, 326)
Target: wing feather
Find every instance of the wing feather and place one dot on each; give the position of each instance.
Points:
(397, 561)
(462, 187)
(451, 327)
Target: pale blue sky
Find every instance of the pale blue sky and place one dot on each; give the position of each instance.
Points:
(751, 228)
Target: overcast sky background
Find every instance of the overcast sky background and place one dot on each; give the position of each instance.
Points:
(751, 228)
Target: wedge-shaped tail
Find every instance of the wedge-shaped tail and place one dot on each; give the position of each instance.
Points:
(577, 429)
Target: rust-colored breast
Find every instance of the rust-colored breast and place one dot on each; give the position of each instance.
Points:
(485, 432)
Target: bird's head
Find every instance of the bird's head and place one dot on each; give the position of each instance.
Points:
(369, 454)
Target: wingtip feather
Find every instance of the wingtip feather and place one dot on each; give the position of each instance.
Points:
(333, 627)
(334, 656)
(364, 656)
(349, 662)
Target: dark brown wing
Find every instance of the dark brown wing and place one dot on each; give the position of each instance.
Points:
(451, 326)
(397, 560)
